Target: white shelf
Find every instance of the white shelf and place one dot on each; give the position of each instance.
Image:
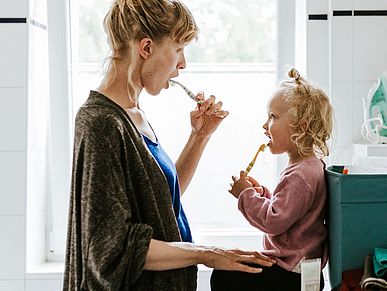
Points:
(369, 155)
(370, 150)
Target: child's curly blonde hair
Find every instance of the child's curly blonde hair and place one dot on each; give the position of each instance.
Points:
(312, 115)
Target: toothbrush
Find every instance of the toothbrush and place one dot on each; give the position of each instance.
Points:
(189, 93)
(250, 166)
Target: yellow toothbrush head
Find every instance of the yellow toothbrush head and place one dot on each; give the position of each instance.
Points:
(262, 147)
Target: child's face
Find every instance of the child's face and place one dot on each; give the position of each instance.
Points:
(277, 127)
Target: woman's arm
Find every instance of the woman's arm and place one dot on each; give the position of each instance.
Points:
(204, 121)
(173, 255)
(189, 159)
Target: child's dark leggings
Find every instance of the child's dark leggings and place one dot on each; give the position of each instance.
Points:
(271, 279)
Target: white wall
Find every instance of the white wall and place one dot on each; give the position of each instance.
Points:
(24, 110)
(13, 146)
(346, 55)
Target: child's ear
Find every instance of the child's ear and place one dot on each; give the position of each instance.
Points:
(146, 47)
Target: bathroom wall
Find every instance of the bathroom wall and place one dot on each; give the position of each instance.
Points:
(346, 53)
(24, 110)
(346, 50)
(13, 143)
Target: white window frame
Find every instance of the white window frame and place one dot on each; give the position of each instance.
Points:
(60, 141)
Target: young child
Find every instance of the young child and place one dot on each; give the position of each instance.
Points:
(292, 216)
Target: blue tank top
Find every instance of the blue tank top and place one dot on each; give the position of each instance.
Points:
(170, 173)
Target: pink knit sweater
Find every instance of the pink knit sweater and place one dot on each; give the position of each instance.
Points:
(292, 217)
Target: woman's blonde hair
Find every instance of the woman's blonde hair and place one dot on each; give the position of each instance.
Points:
(129, 21)
(312, 114)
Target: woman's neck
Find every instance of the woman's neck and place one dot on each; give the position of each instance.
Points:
(115, 87)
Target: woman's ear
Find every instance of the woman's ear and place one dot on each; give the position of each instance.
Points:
(146, 47)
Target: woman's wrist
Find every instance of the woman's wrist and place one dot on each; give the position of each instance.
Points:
(199, 254)
(199, 138)
(204, 255)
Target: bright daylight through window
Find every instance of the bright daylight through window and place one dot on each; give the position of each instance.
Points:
(233, 59)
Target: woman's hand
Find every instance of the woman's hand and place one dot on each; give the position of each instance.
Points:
(206, 118)
(236, 260)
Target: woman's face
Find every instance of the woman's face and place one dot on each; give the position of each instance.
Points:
(277, 126)
(164, 62)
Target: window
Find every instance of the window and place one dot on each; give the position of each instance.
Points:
(234, 59)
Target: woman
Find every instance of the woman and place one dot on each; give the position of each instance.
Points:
(127, 230)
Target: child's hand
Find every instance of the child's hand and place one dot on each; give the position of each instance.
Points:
(253, 181)
(258, 188)
(239, 184)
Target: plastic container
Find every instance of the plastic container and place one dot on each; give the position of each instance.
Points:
(357, 217)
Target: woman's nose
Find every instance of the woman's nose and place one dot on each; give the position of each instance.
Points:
(182, 63)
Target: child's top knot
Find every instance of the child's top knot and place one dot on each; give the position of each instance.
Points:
(294, 74)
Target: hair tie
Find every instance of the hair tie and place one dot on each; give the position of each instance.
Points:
(294, 74)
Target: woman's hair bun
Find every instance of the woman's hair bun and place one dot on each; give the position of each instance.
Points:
(294, 74)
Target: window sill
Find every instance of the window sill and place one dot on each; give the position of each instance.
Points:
(45, 271)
